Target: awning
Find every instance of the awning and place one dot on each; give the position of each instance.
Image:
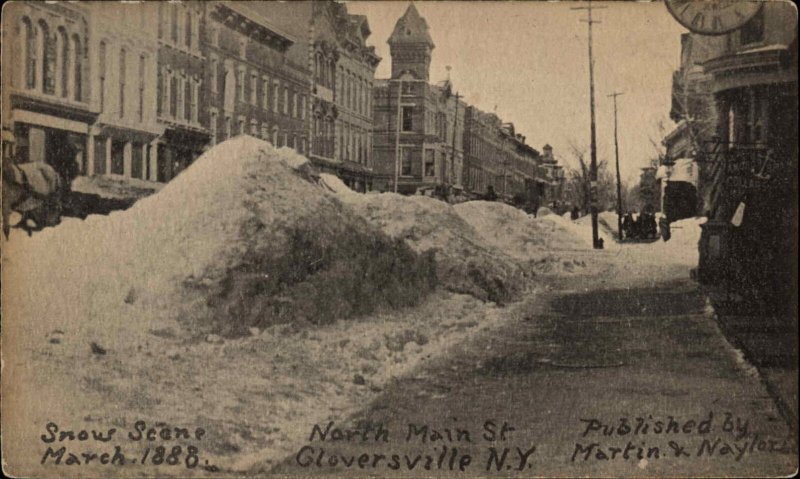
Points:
(684, 169)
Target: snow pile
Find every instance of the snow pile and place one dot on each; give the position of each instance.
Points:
(512, 231)
(464, 262)
(682, 247)
(242, 237)
(335, 184)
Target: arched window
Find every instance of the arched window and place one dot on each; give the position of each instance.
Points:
(63, 62)
(122, 74)
(77, 64)
(101, 54)
(46, 51)
(140, 102)
(28, 35)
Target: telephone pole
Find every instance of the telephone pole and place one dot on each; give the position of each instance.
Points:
(619, 179)
(596, 241)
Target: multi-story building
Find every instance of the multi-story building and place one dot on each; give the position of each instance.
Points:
(750, 161)
(355, 76)
(122, 141)
(179, 83)
(497, 156)
(340, 69)
(251, 86)
(46, 78)
(419, 127)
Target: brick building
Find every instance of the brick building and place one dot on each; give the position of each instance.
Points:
(46, 85)
(419, 126)
(251, 86)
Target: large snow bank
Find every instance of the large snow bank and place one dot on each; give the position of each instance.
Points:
(464, 262)
(533, 241)
(682, 247)
(243, 235)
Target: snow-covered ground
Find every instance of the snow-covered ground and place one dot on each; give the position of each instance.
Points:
(101, 316)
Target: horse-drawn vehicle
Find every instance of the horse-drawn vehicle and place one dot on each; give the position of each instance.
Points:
(639, 229)
(35, 191)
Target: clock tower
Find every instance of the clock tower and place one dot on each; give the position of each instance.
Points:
(410, 45)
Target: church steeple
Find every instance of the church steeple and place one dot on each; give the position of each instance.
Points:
(410, 45)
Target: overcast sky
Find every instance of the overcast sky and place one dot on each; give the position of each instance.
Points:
(530, 60)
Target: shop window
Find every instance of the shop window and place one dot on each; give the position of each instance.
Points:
(117, 157)
(99, 155)
(137, 169)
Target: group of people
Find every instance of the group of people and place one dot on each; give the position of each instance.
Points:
(643, 226)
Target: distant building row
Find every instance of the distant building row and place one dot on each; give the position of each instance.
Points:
(139, 90)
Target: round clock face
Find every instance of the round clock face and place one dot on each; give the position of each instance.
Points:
(713, 17)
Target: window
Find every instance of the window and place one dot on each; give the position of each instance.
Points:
(187, 98)
(265, 93)
(195, 92)
(302, 107)
(160, 91)
(102, 67)
(276, 93)
(275, 136)
(253, 88)
(405, 157)
(213, 78)
(188, 28)
(173, 95)
(240, 85)
(430, 163)
(136, 160)
(78, 65)
(285, 100)
(240, 127)
(161, 20)
(48, 59)
(295, 106)
(213, 127)
(64, 58)
(227, 127)
(174, 23)
(122, 75)
(117, 157)
(29, 37)
(407, 123)
(407, 88)
(753, 31)
(140, 107)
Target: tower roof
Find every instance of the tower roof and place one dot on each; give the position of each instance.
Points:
(411, 28)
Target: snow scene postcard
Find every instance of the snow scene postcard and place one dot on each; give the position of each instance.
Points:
(399, 239)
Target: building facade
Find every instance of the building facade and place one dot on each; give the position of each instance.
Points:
(180, 81)
(46, 85)
(123, 64)
(419, 127)
(749, 176)
(251, 86)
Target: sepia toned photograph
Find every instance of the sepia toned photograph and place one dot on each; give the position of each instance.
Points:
(399, 239)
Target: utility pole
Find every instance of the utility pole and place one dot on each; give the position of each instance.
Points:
(397, 135)
(619, 179)
(593, 167)
(455, 128)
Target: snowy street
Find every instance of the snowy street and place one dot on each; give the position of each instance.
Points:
(279, 313)
(623, 345)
